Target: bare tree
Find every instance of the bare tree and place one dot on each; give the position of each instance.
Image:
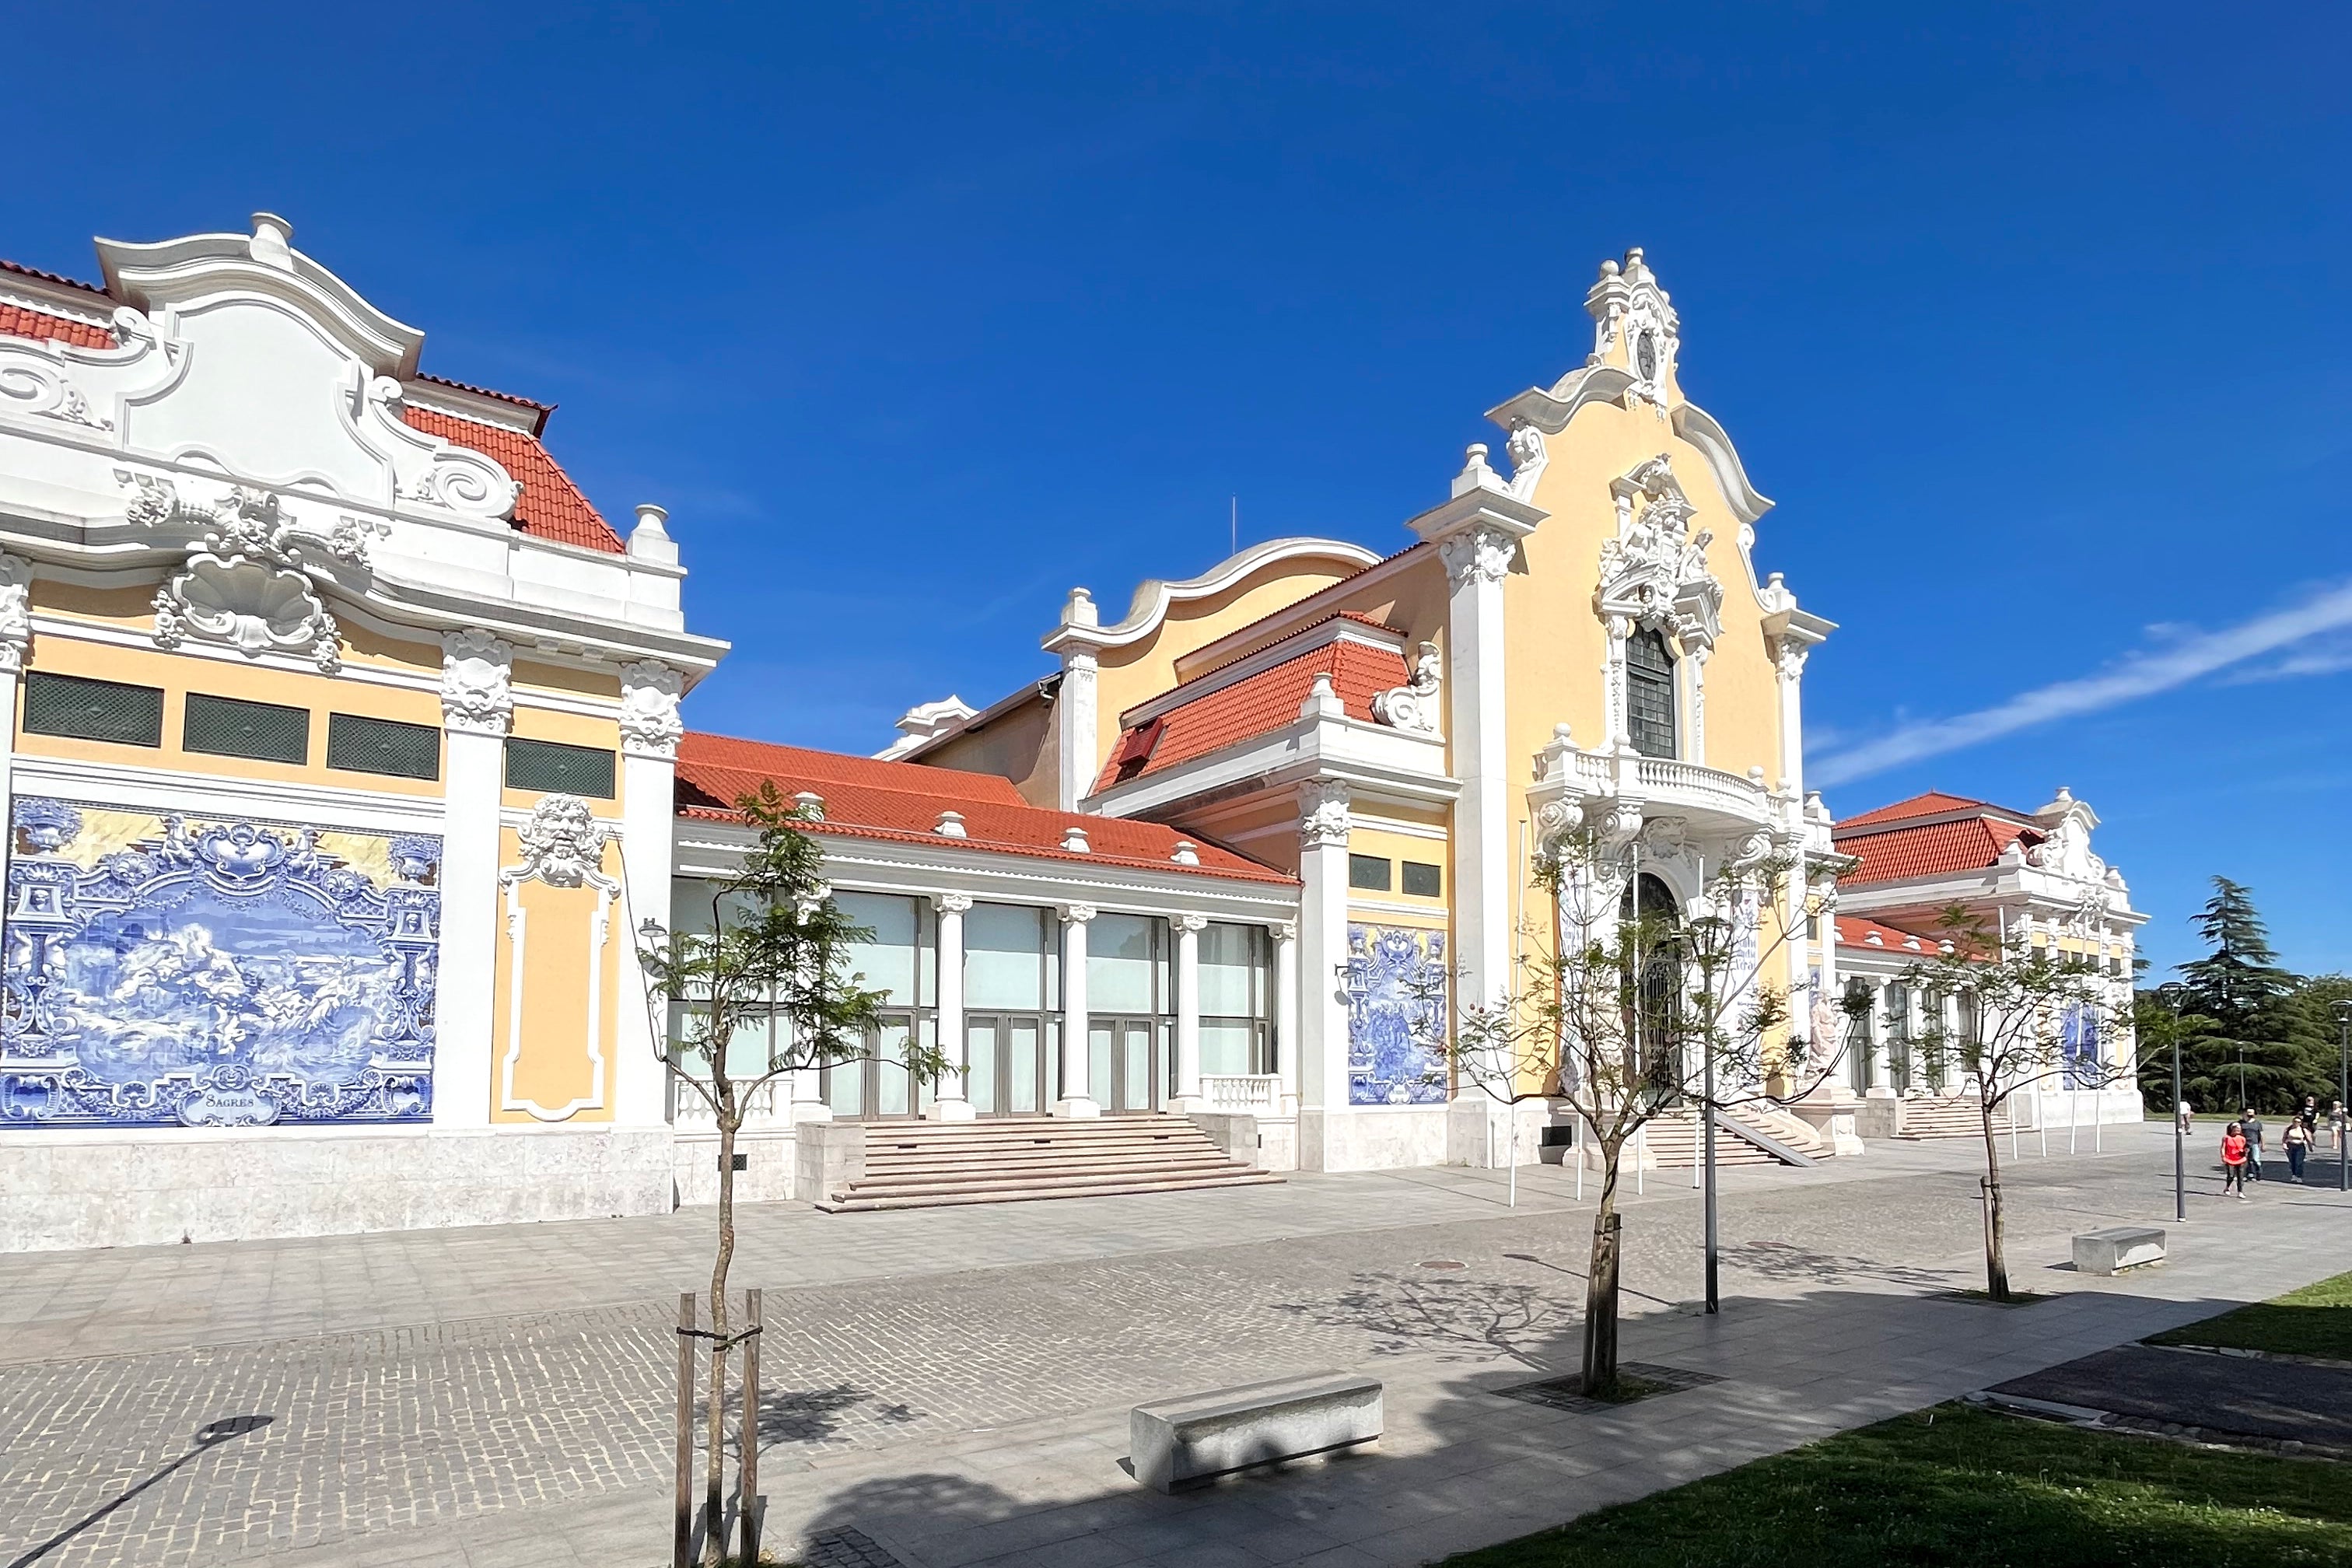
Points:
(2018, 1010)
(1623, 1013)
(772, 969)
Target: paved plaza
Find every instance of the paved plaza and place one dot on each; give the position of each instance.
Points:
(954, 1383)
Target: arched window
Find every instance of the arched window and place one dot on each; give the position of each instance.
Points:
(1650, 693)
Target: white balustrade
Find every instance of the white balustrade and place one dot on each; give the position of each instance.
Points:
(1242, 1094)
(769, 1105)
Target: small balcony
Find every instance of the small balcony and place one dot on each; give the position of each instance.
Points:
(1578, 787)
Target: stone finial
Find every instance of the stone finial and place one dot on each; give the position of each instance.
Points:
(811, 805)
(650, 540)
(1322, 701)
(950, 824)
(272, 242)
(1187, 853)
(1476, 475)
(1080, 609)
(1074, 840)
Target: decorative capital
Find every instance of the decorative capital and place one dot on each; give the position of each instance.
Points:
(1079, 914)
(477, 693)
(1477, 555)
(1194, 924)
(15, 612)
(1324, 820)
(649, 722)
(1412, 707)
(952, 903)
(1286, 931)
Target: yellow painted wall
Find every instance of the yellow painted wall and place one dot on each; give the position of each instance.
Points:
(571, 729)
(1397, 848)
(1557, 646)
(1017, 744)
(554, 1066)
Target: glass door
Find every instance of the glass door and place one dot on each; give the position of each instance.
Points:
(1010, 1058)
(1127, 1063)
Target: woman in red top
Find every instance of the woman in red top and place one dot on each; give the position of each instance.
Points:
(2233, 1161)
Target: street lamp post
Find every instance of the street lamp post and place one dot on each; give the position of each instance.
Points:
(2343, 1094)
(2170, 996)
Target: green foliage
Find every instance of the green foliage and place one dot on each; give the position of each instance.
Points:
(2250, 1032)
(1955, 1485)
(777, 954)
(2316, 1320)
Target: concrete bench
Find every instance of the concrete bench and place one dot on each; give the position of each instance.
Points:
(2113, 1251)
(1188, 1441)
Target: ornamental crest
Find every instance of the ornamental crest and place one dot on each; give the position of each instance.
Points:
(165, 970)
(1655, 572)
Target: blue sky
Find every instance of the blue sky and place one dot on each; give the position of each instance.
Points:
(2033, 321)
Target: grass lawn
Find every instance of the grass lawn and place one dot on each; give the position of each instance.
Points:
(2314, 1321)
(1955, 1485)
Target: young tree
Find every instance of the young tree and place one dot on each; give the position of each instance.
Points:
(1626, 1010)
(772, 968)
(2020, 1012)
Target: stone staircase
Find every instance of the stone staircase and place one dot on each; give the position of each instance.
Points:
(1673, 1141)
(1952, 1117)
(1002, 1160)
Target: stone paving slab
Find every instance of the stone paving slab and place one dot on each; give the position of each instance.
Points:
(940, 1409)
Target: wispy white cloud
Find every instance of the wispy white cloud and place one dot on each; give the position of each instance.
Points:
(2184, 657)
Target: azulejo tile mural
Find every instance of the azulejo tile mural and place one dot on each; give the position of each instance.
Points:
(1396, 1016)
(170, 970)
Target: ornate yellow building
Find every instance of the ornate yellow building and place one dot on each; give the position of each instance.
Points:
(346, 756)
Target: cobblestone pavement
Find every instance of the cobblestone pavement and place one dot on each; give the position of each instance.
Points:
(385, 1428)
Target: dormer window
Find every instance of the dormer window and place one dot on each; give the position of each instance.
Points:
(1650, 693)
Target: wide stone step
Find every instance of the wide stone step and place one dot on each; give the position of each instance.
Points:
(1043, 1159)
(854, 1201)
(984, 1176)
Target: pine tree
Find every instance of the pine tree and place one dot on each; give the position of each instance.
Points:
(2244, 1042)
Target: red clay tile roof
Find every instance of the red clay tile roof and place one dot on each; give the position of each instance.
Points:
(15, 322)
(1931, 849)
(865, 798)
(551, 506)
(1934, 802)
(1258, 705)
(21, 270)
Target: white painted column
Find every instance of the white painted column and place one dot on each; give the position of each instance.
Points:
(808, 1083)
(1321, 1063)
(15, 642)
(1695, 749)
(1076, 1099)
(1881, 1058)
(477, 704)
(1188, 1012)
(1076, 733)
(952, 1100)
(1285, 1012)
(649, 736)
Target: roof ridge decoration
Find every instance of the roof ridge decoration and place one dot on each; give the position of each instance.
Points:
(1655, 572)
(1628, 309)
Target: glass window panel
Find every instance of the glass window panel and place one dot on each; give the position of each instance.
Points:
(1226, 1046)
(690, 904)
(747, 1050)
(1650, 693)
(1423, 880)
(1026, 1059)
(1005, 957)
(1369, 872)
(1136, 1089)
(888, 962)
(1123, 955)
(1100, 1048)
(980, 1075)
(890, 1072)
(1235, 978)
(844, 1088)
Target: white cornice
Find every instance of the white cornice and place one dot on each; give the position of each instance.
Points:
(1379, 762)
(462, 402)
(133, 788)
(1550, 412)
(1154, 598)
(1288, 621)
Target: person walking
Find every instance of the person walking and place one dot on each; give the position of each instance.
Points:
(2336, 1121)
(2186, 1119)
(2250, 1127)
(2297, 1142)
(2233, 1161)
(2309, 1117)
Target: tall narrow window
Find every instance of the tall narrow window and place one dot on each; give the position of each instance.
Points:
(1650, 693)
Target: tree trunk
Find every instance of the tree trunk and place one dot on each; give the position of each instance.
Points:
(1601, 1284)
(1996, 1260)
(714, 1551)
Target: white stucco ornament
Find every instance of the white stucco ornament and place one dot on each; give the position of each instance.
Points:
(563, 845)
(1324, 819)
(649, 699)
(249, 581)
(15, 612)
(1412, 707)
(1655, 572)
(477, 671)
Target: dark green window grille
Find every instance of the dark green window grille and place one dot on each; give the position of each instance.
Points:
(225, 726)
(93, 710)
(1650, 693)
(363, 746)
(553, 768)
(1369, 872)
(1423, 880)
